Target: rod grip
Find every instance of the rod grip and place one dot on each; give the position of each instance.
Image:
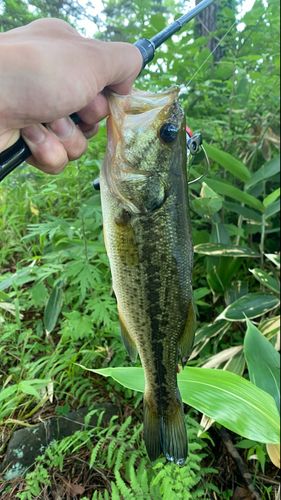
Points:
(12, 157)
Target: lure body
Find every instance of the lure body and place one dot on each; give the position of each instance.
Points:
(148, 235)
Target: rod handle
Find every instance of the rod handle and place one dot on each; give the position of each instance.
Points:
(12, 157)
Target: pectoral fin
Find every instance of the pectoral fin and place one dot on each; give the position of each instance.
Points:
(187, 338)
(127, 340)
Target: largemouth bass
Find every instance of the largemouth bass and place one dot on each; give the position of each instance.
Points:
(148, 236)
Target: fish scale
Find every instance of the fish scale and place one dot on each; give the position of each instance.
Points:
(148, 235)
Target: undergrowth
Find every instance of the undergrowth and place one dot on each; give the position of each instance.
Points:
(121, 452)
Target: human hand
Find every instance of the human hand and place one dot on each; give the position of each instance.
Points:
(47, 72)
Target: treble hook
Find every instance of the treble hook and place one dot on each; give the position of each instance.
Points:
(193, 142)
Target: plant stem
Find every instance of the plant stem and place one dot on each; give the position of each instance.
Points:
(262, 241)
(225, 437)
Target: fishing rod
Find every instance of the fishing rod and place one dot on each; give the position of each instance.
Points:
(12, 157)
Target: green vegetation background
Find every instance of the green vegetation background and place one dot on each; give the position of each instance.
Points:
(57, 308)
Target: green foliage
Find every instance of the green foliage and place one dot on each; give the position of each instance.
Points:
(52, 242)
(223, 396)
(264, 370)
(18, 12)
(121, 451)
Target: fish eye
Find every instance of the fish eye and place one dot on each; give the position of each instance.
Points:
(168, 132)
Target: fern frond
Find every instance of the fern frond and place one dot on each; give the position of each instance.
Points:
(124, 490)
(121, 433)
(120, 455)
(95, 452)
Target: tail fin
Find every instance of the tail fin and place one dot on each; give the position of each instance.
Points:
(166, 433)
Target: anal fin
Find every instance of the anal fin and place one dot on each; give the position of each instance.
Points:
(127, 340)
(187, 338)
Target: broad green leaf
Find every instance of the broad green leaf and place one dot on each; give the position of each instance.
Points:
(263, 362)
(235, 193)
(207, 192)
(245, 444)
(211, 330)
(7, 392)
(251, 305)
(247, 213)
(235, 290)
(228, 162)
(219, 250)
(199, 293)
(271, 197)
(223, 396)
(236, 364)
(4, 296)
(268, 170)
(27, 388)
(203, 335)
(266, 279)
(221, 269)
(272, 209)
(220, 274)
(207, 206)
(270, 327)
(52, 309)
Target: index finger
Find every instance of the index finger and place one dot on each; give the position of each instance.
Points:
(94, 112)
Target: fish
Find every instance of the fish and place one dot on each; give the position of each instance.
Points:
(147, 228)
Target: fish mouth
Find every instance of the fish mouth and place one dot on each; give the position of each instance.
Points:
(140, 101)
(139, 109)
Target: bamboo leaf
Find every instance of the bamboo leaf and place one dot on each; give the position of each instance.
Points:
(223, 396)
(275, 258)
(273, 451)
(271, 197)
(264, 370)
(205, 333)
(266, 279)
(235, 193)
(268, 170)
(272, 209)
(251, 305)
(52, 309)
(228, 162)
(247, 213)
(220, 250)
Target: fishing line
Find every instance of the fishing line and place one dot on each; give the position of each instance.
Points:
(202, 148)
(235, 22)
(206, 169)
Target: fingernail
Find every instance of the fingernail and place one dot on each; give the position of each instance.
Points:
(34, 133)
(62, 128)
(93, 131)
